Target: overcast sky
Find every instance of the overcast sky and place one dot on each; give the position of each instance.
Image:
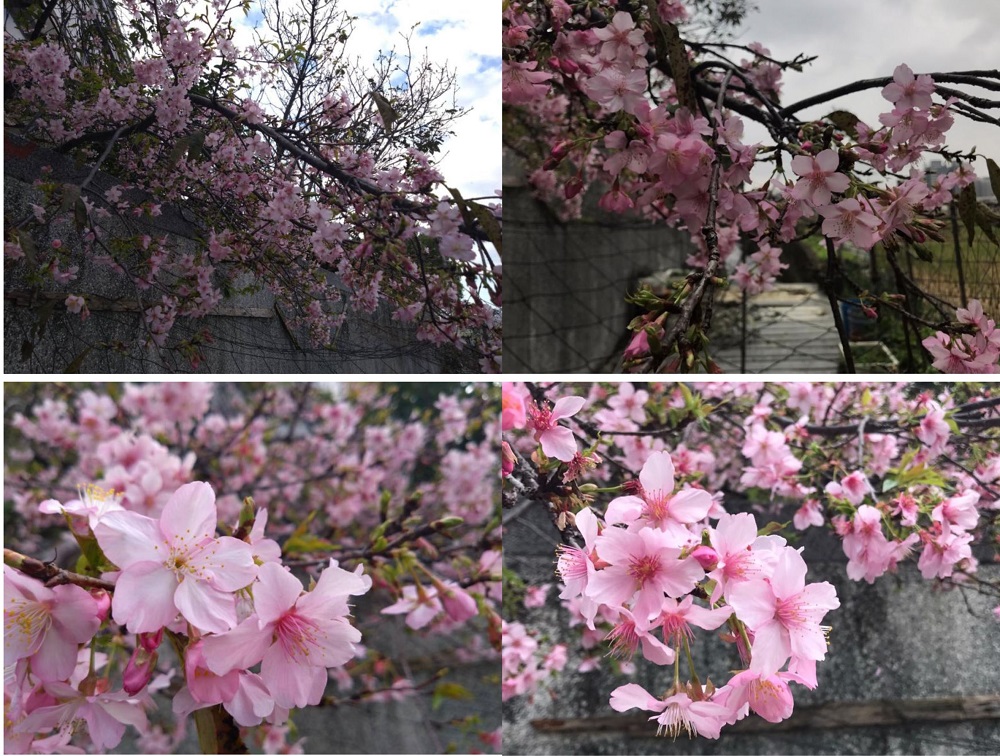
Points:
(864, 39)
(463, 35)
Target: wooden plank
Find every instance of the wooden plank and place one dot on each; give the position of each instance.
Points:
(823, 717)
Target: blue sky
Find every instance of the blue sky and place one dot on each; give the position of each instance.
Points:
(463, 35)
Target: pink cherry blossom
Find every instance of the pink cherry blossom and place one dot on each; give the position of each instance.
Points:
(907, 91)
(819, 177)
(644, 565)
(294, 635)
(175, 564)
(557, 441)
(784, 613)
(677, 713)
(654, 504)
(46, 625)
(421, 606)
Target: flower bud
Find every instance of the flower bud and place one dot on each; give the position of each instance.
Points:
(457, 603)
(139, 670)
(507, 459)
(103, 599)
(573, 187)
(151, 641)
(706, 556)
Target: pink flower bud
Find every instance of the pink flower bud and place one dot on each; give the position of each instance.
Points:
(103, 600)
(508, 459)
(706, 556)
(457, 603)
(638, 347)
(573, 187)
(151, 641)
(139, 670)
(568, 66)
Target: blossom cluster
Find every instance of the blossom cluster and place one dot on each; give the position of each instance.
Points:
(368, 233)
(188, 590)
(596, 97)
(664, 554)
(228, 604)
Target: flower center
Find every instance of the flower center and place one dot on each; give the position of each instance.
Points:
(643, 569)
(297, 634)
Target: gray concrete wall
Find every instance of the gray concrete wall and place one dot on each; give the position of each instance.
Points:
(565, 284)
(897, 639)
(40, 336)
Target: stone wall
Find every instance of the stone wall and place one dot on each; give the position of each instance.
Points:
(899, 639)
(249, 335)
(565, 284)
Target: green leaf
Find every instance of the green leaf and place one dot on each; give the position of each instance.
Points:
(80, 214)
(888, 484)
(772, 527)
(77, 362)
(846, 121)
(994, 170)
(451, 690)
(180, 149)
(489, 223)
(967, 210)
(986, 222)
(307, 543)
(70, 195)
(923, 253)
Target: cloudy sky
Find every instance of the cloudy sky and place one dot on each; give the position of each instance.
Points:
(463, 35)
(863, 39)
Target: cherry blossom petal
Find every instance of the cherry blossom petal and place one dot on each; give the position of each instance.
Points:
(275, 593)
(335, 584)
(658, 473)
(127, 538)
(558, 443)
(252, 701)
(690, 505)
(624, 509)
(333, 643)
(205, 607)
(567, 407)
(632, 696)
(144, 597)
(240, 648)
(291, 684)
(189, 516)
(753, 602)
(771, 648)
(227, 563)
(75, 613)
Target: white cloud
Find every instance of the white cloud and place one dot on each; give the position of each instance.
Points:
(462, 35)
(861, 39)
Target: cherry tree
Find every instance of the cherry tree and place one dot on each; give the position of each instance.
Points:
(676, 508)
(647, 102)
(311, 174)
(229, 554)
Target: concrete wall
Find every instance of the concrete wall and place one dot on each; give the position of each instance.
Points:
(565, 284)
(40, 336)
(897, 639)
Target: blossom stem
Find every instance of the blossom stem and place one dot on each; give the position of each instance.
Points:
(687, 652)
(50, 574)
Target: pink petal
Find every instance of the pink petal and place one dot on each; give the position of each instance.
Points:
(333, 643)
(144, 597)
(127, 538)
(56, 657)
(658, 473)
(240, 648)
(292, 685)
(207, 608)
(567, 407)
(252, 701)
(789, 577)
(75, 613)
(105, 730)
(690, 505)
(624, 509)
(734, 533)
(634, 696)
(226, 563)
(828, 160)
(335, 584)
(275, 593)
(558, 443)
(753, 602)
(189, 516)
(771, 648)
